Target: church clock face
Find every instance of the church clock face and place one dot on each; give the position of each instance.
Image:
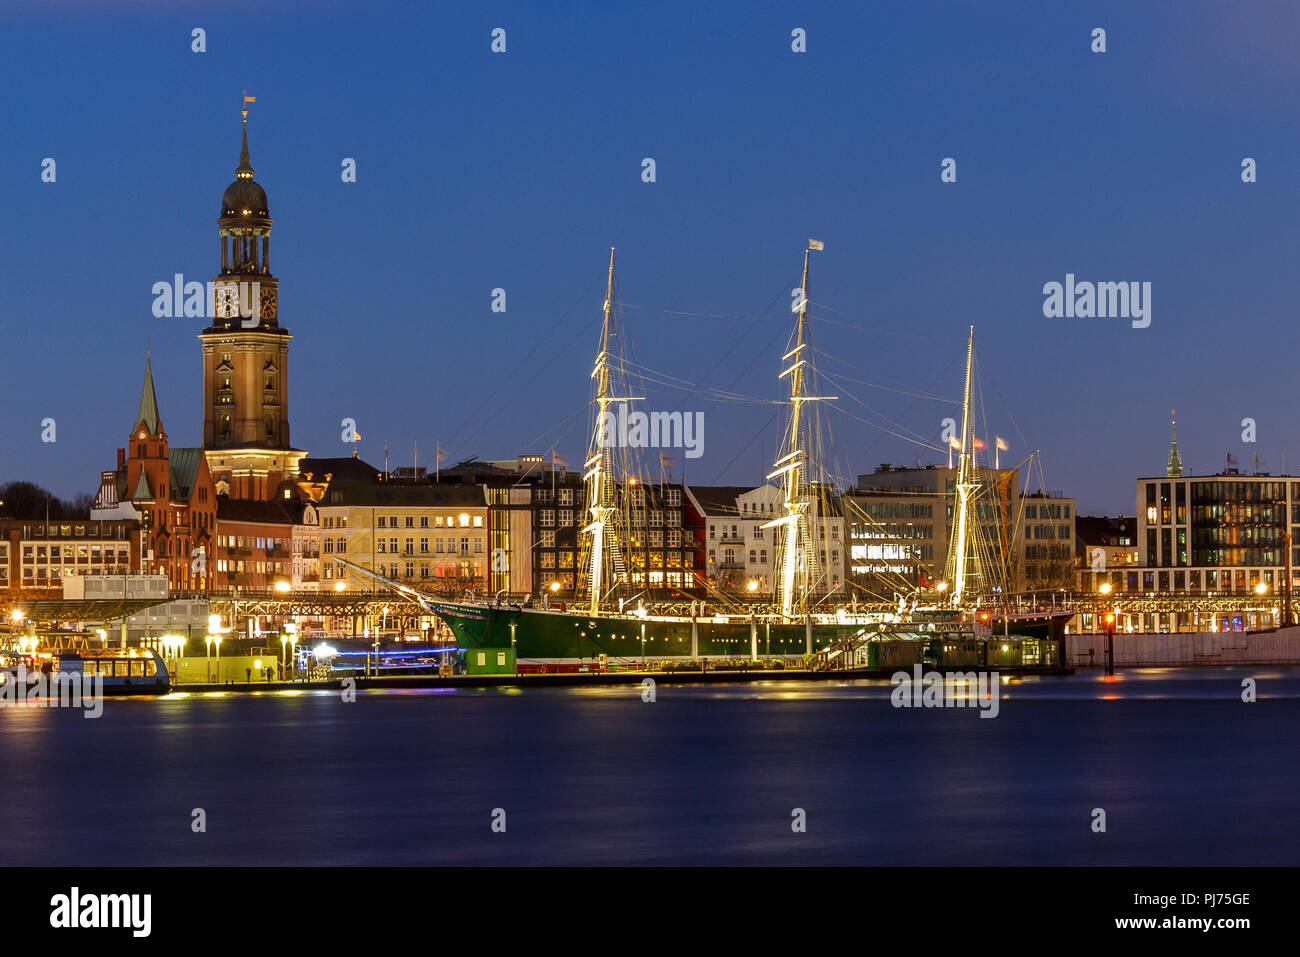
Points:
(227, 303)
(142, 433)
(267, 304)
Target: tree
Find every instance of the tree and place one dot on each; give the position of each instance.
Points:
(27, 500)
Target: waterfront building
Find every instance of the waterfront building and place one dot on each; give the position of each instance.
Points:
(246, 358)
(1225, 535)
(38, 558)
(1104, 544)
(305, 573)
(254, 543)
(168, 491)
(740, 551)
(1044, 542)
(1210, 535)
(433, 536)
(901, 527)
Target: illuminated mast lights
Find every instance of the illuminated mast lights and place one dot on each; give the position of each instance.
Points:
(596, 468)
(965, 486)
(791, 466)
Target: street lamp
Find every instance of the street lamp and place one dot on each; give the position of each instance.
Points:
(1261, 589)
(340, 585)
(1104, 588)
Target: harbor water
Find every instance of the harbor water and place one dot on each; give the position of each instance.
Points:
(1184, 770)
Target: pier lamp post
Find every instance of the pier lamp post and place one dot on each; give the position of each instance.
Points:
(216, 640)
(1261, 589)
(293, 646)
(1108, 620)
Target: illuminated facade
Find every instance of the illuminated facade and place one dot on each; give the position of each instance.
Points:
(246, 352)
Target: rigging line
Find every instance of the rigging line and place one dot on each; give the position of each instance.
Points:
(874, 330)
(745, 447)
(510, 377)
(723, 357)
(566, 424)
(942, 373)
(647, 373)
(719, 315)
(874, 411)
(852, 415)
(651, 376)
(877, 385)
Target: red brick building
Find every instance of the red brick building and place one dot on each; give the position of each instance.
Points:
(170, 492)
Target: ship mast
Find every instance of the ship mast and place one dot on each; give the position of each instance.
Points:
(791, 466)
(965, 485)
(598, 467)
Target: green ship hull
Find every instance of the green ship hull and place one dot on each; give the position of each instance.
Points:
(529, 635)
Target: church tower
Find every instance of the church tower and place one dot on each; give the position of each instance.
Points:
(246, 351)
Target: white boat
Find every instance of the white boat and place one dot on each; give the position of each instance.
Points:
(116, 671)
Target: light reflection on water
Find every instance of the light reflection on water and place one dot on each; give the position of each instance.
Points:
(706, 774)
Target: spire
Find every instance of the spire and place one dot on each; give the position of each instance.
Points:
(148, 401)
(1175, 467)
(245, 168)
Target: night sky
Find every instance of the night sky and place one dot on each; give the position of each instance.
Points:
(518, 170)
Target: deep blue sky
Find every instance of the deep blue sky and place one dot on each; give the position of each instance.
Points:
(478, 171)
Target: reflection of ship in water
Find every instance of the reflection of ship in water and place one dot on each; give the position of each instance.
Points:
(613, 617)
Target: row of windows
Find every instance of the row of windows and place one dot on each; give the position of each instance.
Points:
(54, 572)
(54, 554)
(438, 521)
(1047, 511)
(69, 531)
(888, 510)
(1061, 532)
(892, 530)
(390, 546)
(252, 541)
(240, 567)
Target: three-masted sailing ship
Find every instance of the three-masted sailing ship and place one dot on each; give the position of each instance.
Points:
(605, 623)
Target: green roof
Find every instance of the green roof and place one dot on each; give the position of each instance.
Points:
(142, 492)
(184, 472)
(148, 402)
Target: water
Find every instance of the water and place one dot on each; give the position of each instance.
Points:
(1186, 773)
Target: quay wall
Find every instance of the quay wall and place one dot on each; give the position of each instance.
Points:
(1278, 647)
